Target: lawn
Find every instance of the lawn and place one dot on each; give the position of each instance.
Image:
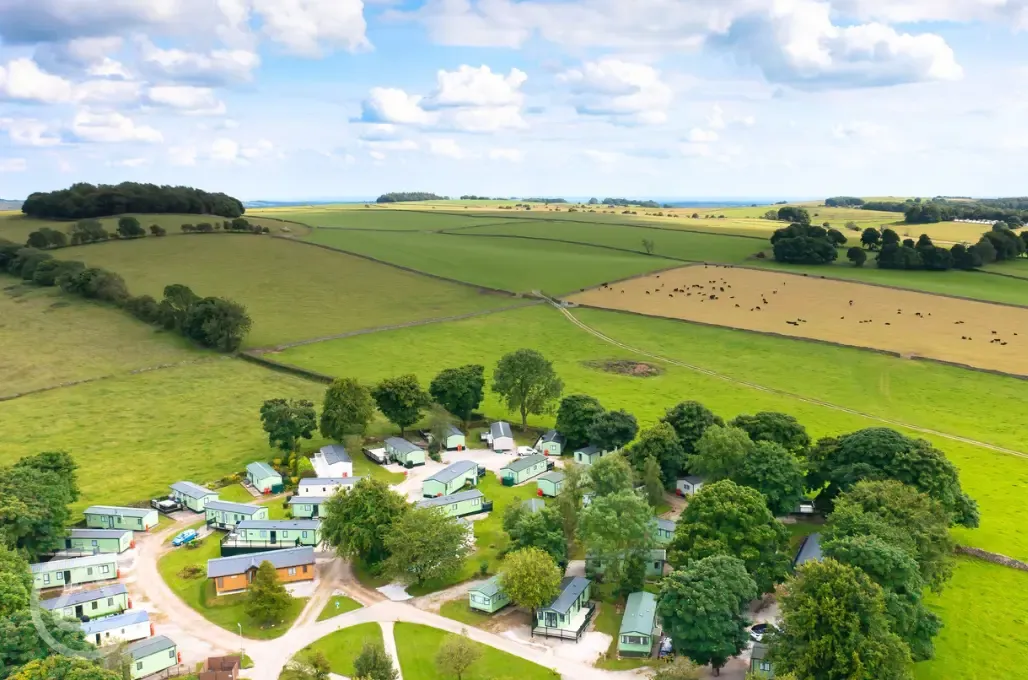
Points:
(515, 265)
(235, 493)
(458, 610)
(49, 338)
(417, 645)
(339, 604)
(198, 593)
(342, 647)
(985, 635)
(291, 290)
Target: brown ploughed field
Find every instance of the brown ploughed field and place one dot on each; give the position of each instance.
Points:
(977, 334)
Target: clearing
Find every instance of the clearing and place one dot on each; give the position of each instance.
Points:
(912, 324)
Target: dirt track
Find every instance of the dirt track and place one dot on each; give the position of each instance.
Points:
(910, 323)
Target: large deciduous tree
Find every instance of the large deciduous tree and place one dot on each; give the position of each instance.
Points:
(357, 523)
(526, 383)
(20, 642)
(530, 578)
(719, 452)
(610, 474)
(347, 410)
(613, 429)
(570, 497)
(772, 426)
(724, 518)
(574, 416)
(614, 526)
(401, 400)
(425, 544)
(660, 443)
(775, 473)
(217, 323)
(543, 529)
(34, 497)
(459, 390)
(702, 607)
(652, 482)
(65, 668)
(690, 419)
(267, 599)
(287, 421)
(15, 582)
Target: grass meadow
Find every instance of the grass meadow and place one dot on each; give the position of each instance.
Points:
(375, 218)
(417, 645)
(49, 338)
(342, 647)
(291, 290)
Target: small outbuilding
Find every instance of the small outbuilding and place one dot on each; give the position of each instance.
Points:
(332, 461)
(74, 571)
(451, 479)
(568, 615)
(234, 574)
(226, 515)
(97, 540)
(638, 625)
(523, 469)
(459, 504)
(760, 665)
(688, 486)
(192, 496)
(665, 530)
(128, 627)
(589, 455)
(89, 604)
(488, 597)
(116, 517)
(550, 483)
(220, 668)
(404, 452)
(550, 444)
(264, 478)
(502, 436)
(152, 655)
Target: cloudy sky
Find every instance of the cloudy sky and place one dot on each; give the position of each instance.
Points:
(297, 99)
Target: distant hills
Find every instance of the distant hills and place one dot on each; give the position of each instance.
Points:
(6, 204)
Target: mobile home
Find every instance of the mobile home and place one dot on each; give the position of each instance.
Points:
(760, 665)
(665, 530)
(89, 604)
(501, 436)
(235, 574)
(257, 535)
(655, 564)
(550, 444)
(325, 487)
(550, 483)
(454, 440)
(74, 571)
(332, 461)
(568, 615)
(226, 515)
(488, 597)
(403, 452)
(127, 627)
(97, 540)
(450, 479)
(459, 504)
(193, 496)
(151, 656)
(115, 517)
(638, 625)
(523, 469)
(688, 486)
(264, 478)
(589, 455)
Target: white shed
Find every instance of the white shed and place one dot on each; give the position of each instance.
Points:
(687, 486)
(502, 437)
(332, 461)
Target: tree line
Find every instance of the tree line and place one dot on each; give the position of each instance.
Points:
(844, 202)
(1013, 211)
(84, 200)
(128, 227)
(409, 196)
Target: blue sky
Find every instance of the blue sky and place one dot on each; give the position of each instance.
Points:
(306, 99)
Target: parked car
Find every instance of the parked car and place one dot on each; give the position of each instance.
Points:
(665, 648)
(526, 451)
(187, 536)
(759, 630)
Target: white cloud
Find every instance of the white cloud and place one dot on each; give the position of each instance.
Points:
(469, 86)
(391, 144)
(111, 127)
(699, 135)
(108, 92)
(602, 157)
(13, 165)
(29, 132)
(392, 105)
(511, 155)
(186, 98)
(625, 92)
(307, 27)
(83, 55)
(182, 155)
(1010, 12)
(445, 147)
(23, 79)
(108, 68)
(857, 129)
(377, 155)
(131, 162)
(217, 67)
(230, 151)
(484, 119)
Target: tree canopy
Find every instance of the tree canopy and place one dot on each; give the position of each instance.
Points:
(347, 410)
(526, 382)
(287, 421)
(103, 200)
(574, 417)
(690, 419)
(660, 443)
(459, 390)
(424, 544)
(776, 473)
(611, 430)
(543, 529)
(609, 475)
(267, 599)
(357, 523)
(34, 497)
(401, 400)
(772, 426)
(719, 452)
(530, 578)
(408, 197)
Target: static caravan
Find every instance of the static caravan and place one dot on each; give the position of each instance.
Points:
(264, 478)
(403, 452)
(235, 574)
(550, 444)
(488, 597)
(75, 571)
(307, 507)
(193, 496)
(332, 461)
(568, 615)
(550, 483)
(638, 625)
(451, 479)
(687, 486)
(226, 515)
(523, 469)
(655, 564)
(151, 656)
(501, 436)
(97, 540)
(459, 504)
(89, 604)
(454, 440)
(257, 535)
(760, 665)
(116, 517)
(665, 530)
(589, 455)
(325, 487)
(127, 627)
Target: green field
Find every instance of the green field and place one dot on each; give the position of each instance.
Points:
(922, 394)
(198, 593)
(1018, 267)
(339, 604)
(16, 227)
(379, 219)
(342, 647)
(49, 338)
(417, 645)
(508, 264)
(458, 610)
(292, 291)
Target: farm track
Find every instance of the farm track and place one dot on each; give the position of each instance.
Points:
(762, 388)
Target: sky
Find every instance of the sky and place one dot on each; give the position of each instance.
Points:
(318, 99)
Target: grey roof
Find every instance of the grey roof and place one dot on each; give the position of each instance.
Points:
(117, 510)
(228, 506)
(571, 587)
(693, 479)
(98, 533)
(309, 500)
(84, 596)
(192, 490)
(335, 453)
(640, 614)
(524, 463)
(490, 588)
(127, 619)
(149, 647)
(533, 504)
(810, 550)
(330, 481)
(279, 524)
(402, 445)
(760, 651)
(589, 450)
(500, 428)
(449, 500)
(262, 470)
(666, 524)
(452, 429)
(72, 563)
(454, 470)
(240, 564)
(552, 436)
(555, 476)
